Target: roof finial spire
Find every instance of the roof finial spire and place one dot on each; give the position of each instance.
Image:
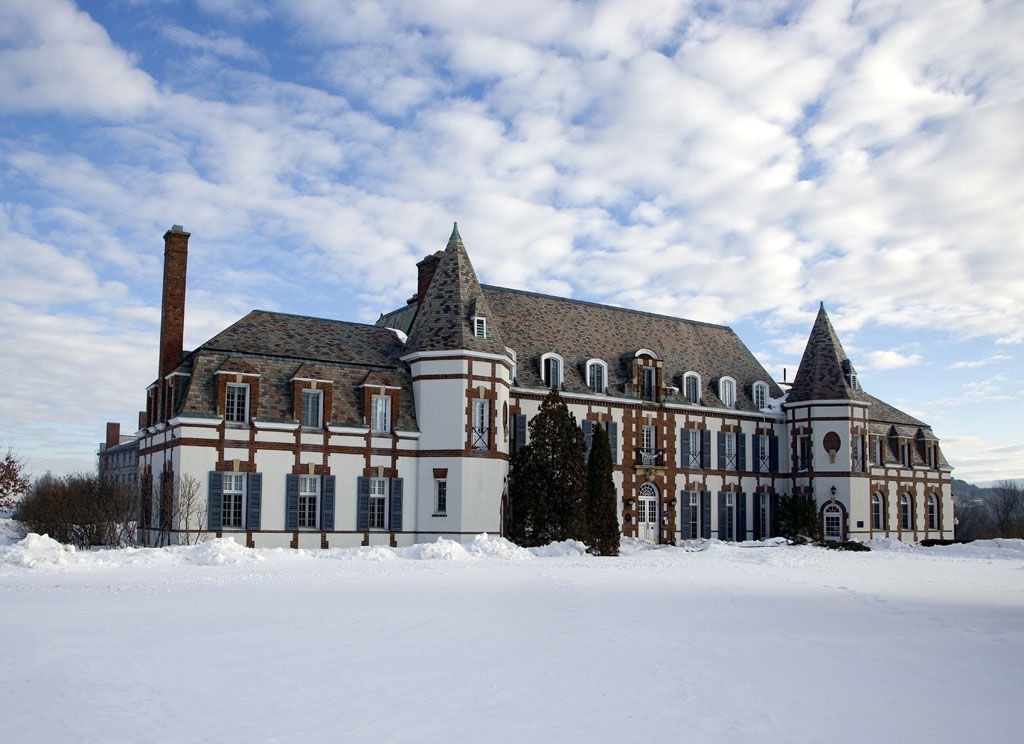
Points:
(455, 233)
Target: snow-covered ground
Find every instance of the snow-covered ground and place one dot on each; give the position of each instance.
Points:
(441, 643)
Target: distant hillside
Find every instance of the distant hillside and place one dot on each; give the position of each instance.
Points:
(966, 492)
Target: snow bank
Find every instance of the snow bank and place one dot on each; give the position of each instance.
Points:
(222, 551)
(482, 546)
(36, 551)
(561, 549)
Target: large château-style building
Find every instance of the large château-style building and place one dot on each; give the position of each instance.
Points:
(307, 432)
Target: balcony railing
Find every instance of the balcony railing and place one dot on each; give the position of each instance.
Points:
(650, 457)
(481, 438)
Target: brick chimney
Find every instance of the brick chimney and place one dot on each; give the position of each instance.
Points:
(426, 269)
(113, 434)
(172, 312)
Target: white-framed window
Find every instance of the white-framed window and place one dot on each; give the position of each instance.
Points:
(694, 437)
(856, 453)
(691, 387)
(762, 455)
(479, 326)
(312, 408)
(877, 511)
(380, 413)
(930, 449)
(727, 391)
(803, 452)
(481, 437)
(514, 372)
(833, 517)
(597, 375)
(551, 370)
(694, 514)
(876, 450)
(440, 497)
(760, 392)
(906, 512)
(236, 403)
(766, 522)
(905, 454)
(730, 516)
(309, 493)
(233, 493)
(933, 512)
(648, 445)
(378, 503)
(728, 441)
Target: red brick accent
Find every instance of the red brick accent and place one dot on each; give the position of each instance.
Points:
(172, 309)
(113, 434)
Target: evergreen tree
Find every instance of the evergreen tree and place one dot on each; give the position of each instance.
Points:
(548, 478)
(602, 519)
(798, 518)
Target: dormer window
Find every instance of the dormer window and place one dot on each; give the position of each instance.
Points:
(236, 405)
(551, 370)
(597, 375)
(513, 373)
(760, 395)
(691, 387)
(850, 374)
(727, 391)
(479, 326)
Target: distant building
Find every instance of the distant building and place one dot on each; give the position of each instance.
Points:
(118, 456)
(308, 432)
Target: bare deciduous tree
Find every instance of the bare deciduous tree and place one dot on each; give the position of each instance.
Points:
(1006, 506)
(191, 509)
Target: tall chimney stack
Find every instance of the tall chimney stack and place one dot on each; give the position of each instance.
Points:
(426, 269)
(172, 311)
(113, 434)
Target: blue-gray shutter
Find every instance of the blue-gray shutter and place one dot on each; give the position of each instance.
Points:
(773, 503)
(291, 502)
(520, 435)
(705, 449)
(215, 501)
(613, 440)
(757, 515)
(685, 513)
(327, 504)
(723, 516)
(396, 505)
(773, 454)
(588, 435)
(705, 514)
(721, 450)
(741, 517)
(741, 451)
(684, 448)
(254, 498)
(362, 504)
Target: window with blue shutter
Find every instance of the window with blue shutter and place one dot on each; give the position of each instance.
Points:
(723, 517)
(684, 448)
(705, 450)
(773, 453)
(291, 502)
(721, 450)
(685, 516)
(741, 517)
(705, 514)
(758, 517)
(214, 501)
(613, 440)
(741, 451)
(518, 432)
(327, 504)
(254, 498)
(396, 505)
(362, 504)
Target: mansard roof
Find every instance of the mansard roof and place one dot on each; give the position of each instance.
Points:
(824, 367)
(578, 331)
(444, 319)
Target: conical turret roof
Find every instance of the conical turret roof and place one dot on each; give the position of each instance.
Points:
(444, 319)
(825, 370)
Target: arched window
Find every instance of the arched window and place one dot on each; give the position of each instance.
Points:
(691, 387)
(933, 512)
(833, 522)
(551, 370)
(906, 512)
(727, 391)
(597, 375)
(760, 394)
(877, 511)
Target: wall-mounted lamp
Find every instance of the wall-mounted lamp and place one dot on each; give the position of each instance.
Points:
(833, 489)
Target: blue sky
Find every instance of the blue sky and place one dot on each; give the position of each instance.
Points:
(729, 162)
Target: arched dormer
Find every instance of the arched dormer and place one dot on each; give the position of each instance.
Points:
(759, 394)
(551, 369)
(597, 375)
(692, 387)
(647, 374)
(727, 391)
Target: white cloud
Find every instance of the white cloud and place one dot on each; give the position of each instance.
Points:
(975, 363)
(56, 58)
(889, 359)
(218, 44)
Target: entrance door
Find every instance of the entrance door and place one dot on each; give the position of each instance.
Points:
(833, 525)
(647, 513)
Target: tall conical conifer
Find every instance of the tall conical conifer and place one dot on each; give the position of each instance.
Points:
(602, 522)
